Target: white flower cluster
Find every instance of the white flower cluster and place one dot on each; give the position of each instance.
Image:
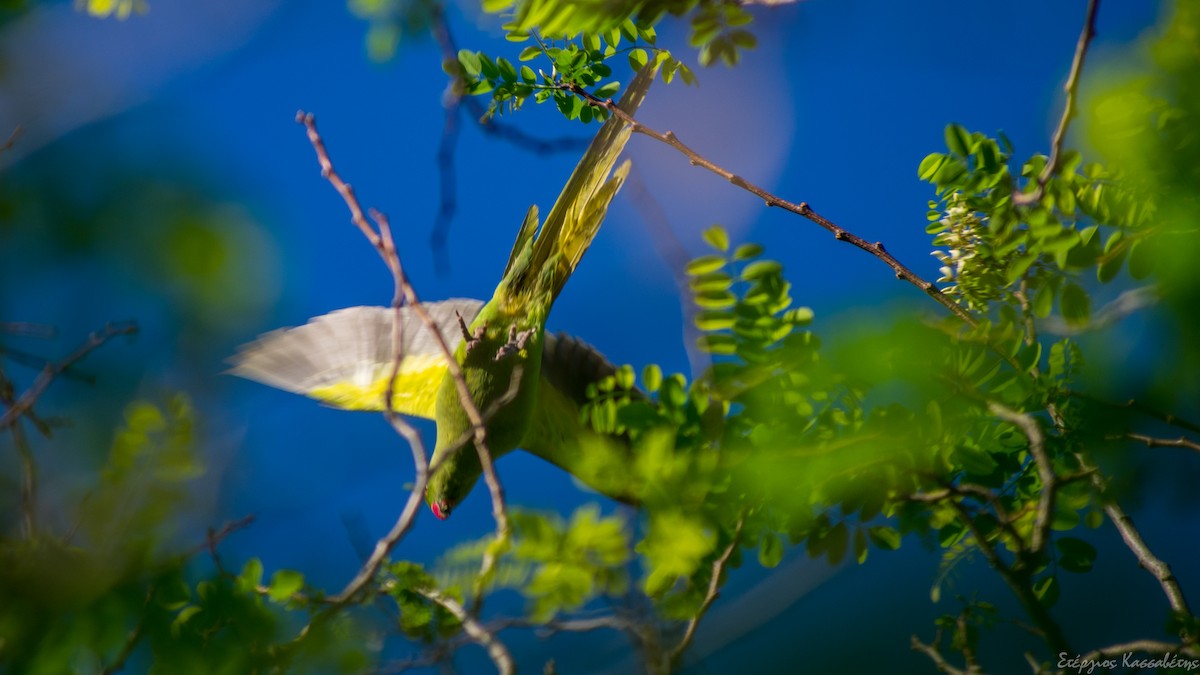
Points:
(959, 238)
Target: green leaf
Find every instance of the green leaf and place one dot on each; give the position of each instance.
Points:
(835, 543)
(284, 584)
(714, 320)
(1075, 555)
(652, 378)
(251, 576)
(1075, 304)
(958, 140)
(712, 281)
(975, 461)
(529, 53)
(1043, 301)
(717, 237)
(607, 90)
(886, 538)
(930, 165)
(747, 251)
(1046, 590)
(860, 546)
(715, 299)
(507, 72)
(705, 265)
(761, 268)
(183, 617)
(470, 62)
(638, 59)
(1018, 266)
(717, 343)
(1141, 259)
(770, 550)
(1115, 250)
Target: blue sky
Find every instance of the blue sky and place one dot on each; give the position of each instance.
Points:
(837, 107)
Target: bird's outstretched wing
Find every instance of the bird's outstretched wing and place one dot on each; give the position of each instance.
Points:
(343, 358)
(562, 436)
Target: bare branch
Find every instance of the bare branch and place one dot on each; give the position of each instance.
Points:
(27, 329)
(486, 639)
(12, 139)
(714, 589)
(1069, 109)
(802, 209)
(53, 370)
(1141, 408)
(1146, 558)
(406, 294)
(454, 102)
(1037, 447)
(1151, 442)
(931, 650)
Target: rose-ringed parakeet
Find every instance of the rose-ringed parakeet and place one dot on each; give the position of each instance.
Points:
(530, 386)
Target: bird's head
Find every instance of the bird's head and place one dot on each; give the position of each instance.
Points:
(452, 481)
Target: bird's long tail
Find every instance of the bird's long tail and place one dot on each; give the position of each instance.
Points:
(544, 262)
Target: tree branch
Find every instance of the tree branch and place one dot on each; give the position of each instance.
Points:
(404, 293)
(480, 634)
(454, 101)
(802, 209)
(931, 650)
(1069, 109)
(714, 589)
(1151, 442)
(1037, 447)
(53, 370)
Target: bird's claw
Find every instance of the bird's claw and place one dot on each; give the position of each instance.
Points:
(517, 341)
(472, 340)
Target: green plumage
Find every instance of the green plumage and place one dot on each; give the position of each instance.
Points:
(504, 380)
(529, 387)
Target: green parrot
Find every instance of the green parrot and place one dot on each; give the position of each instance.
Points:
(529, 385)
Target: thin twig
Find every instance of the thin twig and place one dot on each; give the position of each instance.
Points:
(384, 244)
(1132, 537)
(27, 329)
(931, 650)
(455, 101)
(215, 536)
(1037, 447)
(714, 589)
(1151, 442)
(53, 370)
(486, 639)
(12, 139)
(384, 546)
(1069, 109)
(1141, 408)
(802, 209)
(131, 640)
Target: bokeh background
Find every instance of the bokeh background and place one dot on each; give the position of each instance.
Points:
(160, 177)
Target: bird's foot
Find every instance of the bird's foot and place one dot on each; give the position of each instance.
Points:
(472, 340)
(516, 342)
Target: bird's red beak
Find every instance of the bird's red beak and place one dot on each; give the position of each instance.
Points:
(439, 511)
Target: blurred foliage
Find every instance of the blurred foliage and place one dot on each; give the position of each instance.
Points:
(121, 9)
(391, 22)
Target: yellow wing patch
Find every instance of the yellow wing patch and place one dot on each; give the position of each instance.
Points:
(415, 392)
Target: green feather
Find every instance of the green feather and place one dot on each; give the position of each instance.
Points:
(505, 389)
